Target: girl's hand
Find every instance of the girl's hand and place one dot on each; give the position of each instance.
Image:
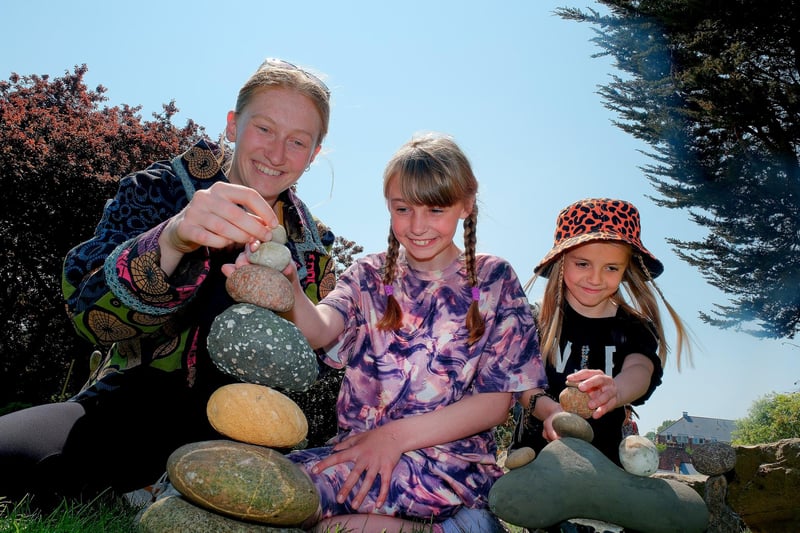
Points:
(601, 388)
(548, 433)
(373, 453)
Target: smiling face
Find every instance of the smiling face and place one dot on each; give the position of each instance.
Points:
(426, 232)
(276, 135)
(592, 274)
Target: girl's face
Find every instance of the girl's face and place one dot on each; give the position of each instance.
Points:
(592, 274)
(426, 232)
(276, 139)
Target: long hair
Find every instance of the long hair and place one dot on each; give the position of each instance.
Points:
(640, 288)
(432, 170)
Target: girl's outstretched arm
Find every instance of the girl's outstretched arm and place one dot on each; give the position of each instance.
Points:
(319, 324)
(376, 452)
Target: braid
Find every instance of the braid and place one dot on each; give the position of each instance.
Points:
(393, 317)
(475, 322)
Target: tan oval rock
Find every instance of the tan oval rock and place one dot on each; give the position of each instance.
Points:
(257, 414)
(262, 286)
(519, 457)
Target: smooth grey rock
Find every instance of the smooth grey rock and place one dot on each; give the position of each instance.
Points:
(568, 424)
(570, 478)
(270, 254)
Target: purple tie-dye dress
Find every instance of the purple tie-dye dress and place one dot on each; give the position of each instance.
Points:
(424, 366)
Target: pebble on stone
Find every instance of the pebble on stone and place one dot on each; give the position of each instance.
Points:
(279, 235)
(573, 400)
(256, 414)
(519, 457)
(270, 254)
(255, 345)
(570, 478)
(638, 455)
(568, 424)
(714, 458)
(262, 286)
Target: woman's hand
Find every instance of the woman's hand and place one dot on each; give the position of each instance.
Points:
(217, 217)
(373, 453)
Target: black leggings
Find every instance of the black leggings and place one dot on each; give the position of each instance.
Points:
(120, 440)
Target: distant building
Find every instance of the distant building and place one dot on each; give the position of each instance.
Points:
(693, 430)
(681, 436)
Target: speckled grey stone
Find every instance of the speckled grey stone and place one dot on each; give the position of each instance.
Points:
(714, 458)
(255, 345)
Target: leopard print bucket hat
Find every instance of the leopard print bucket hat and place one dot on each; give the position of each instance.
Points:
(598, 219)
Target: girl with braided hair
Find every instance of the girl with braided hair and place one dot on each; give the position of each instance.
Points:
(436, 343)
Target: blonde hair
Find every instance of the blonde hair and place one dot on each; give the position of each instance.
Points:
(641, 290)
(432, 170)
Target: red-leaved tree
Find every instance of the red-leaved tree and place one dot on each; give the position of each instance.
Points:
(62, 152)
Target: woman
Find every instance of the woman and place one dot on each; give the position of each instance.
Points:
(148, 284)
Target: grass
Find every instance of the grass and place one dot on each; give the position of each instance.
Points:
(99, 515)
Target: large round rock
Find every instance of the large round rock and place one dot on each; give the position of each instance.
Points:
(255, 345)
(174, 514)
(243, 481)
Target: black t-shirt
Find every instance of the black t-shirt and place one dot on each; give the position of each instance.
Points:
(603, 343)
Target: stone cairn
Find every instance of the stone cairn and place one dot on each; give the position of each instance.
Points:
(714, 459)
(571, 479)
(246, 484)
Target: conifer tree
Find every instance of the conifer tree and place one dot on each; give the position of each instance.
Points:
(714, 89)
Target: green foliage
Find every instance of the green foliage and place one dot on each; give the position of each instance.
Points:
(714, 89)
(61, 156)
(664, 425)
(771, 418)
(101, 515)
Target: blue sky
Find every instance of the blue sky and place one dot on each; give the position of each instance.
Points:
(514, 84)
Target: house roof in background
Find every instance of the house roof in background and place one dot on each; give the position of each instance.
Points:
(717, 429)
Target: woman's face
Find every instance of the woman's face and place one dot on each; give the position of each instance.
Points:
(592, 274)
(276, 136)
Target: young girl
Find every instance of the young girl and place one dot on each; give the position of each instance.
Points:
(589, 333)
(434, 341)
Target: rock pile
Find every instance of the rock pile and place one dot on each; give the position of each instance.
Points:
(235, 485)
(246, 484)
(571, 479)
